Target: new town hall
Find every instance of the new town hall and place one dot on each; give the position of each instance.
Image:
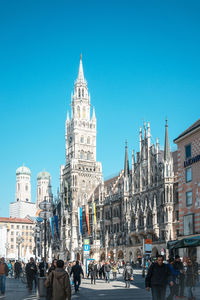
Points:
(118, 214)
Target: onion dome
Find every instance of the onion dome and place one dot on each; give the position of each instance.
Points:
(23, 171)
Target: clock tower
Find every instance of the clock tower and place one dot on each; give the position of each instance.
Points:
(81, 173)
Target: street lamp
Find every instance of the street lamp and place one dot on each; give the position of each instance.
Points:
(45, 214)
(19, 240)
(36, 234)
(7, 248)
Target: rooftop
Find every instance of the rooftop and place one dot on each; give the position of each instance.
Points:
(15, 220)
(188, 130)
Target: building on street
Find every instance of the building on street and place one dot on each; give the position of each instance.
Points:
(188, 143)
(17, 237)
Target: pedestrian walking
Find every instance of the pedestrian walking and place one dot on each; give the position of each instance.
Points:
(17, 269)
(128, 274)
(157, 278)
(107, 269)
(114, 271)
(3, 273)
(76, 271)
(31, 272)
(179, 286)
(50, 288)
(174, 274)
(89, 269)
(53, 266)
(93, 271)
(59, 283)
(42, 269)
(190, 281)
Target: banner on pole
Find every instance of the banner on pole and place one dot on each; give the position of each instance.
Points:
(87, 218)
(80, 220)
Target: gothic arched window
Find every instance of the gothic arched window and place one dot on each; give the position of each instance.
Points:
(88, 156)
(167, 200)
(82, 155)
(88, 140)
(84, 112)
(78, 112)
(82, 139)
(82, 92)
(79, 93)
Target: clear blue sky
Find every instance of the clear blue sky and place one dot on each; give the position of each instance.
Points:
(141, 60)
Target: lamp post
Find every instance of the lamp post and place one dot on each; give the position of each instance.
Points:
(36, 231)
(18, 242)
(45, 214)
(7, 248)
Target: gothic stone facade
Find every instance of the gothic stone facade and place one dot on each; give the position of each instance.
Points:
(139, 203)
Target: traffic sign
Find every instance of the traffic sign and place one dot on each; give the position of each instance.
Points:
(86, 242)
(45, 214)
(45, 205)
(86, 248)
(148, 241)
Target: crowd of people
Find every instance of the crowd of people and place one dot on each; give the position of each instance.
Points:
(181, 276)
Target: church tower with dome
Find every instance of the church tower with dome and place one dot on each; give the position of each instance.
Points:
(22, 205)
(43, 188)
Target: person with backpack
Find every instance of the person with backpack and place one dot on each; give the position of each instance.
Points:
(107, 269)
(76, 271)
(157, 278)
(59, 283)
(128, 274)
(3, 273)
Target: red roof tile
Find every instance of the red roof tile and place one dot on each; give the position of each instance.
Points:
(15, 220)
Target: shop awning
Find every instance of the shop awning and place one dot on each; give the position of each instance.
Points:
(184, 243)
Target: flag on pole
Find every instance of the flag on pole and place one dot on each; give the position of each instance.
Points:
(87, 218)
(52, 230)
(56, 225)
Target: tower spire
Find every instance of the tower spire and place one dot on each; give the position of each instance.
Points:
(126, 163)
(167, 147)
(80, 72)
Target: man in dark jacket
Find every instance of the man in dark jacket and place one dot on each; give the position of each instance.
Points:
(17, 269)
(58, 280)
(31, 272)
(178, 265)
(3, 273)
(107, 269)
(41, 268)
(157, 278)
(77, 271)
(93, 271)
